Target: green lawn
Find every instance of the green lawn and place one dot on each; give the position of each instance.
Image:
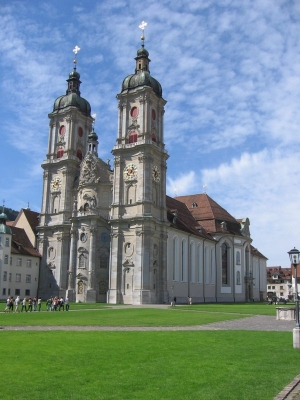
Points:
(208, 365)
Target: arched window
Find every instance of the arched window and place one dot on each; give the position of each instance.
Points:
(200, 264)
(213, 266)
(206, 260)
(80, 131)
(184, 261)
(60, 152)
(79, 154)
(192, 262)
(153, 138)
(225, 270)
(133, 137)
(175, 260)
(238, 258)
(62, 130)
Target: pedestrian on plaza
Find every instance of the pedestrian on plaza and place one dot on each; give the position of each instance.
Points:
(17, 302)
(39, 303)
(11, 304)
(34, 301)
(24, 305)
(61, 304)
(67, 303)
(29, 304)
(48, 304)
(7, 308)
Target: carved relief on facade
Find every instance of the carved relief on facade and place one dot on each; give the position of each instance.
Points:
(88, 200)
(128, 249)
(51, 265)
(51, 253)
(82, 258)
(89, 170)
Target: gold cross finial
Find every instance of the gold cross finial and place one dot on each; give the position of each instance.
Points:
(75, 51)
(142, 26)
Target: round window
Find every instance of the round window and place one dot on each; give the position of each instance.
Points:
(134, 112)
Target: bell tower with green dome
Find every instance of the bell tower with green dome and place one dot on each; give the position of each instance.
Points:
(138, 257)
(69, 127)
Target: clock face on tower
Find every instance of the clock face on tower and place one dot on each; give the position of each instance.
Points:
(130, 172)
(155, 174)
(56, 183)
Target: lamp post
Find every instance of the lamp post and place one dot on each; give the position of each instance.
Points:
(294, 255)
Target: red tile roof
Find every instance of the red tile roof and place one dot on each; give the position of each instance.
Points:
(181, 218)
(210, 214)
(21, 244)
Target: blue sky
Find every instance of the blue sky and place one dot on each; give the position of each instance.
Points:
(230, 71)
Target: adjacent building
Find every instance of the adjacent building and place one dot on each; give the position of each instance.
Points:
(19, 259)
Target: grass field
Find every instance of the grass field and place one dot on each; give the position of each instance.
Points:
(208, 365)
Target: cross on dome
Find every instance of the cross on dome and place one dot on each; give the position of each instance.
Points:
(75, 51)
(142, 26)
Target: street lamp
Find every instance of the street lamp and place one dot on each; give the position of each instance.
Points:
(294, 255)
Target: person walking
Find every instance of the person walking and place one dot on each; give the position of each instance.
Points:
(39, 303)
(61, 304)
(67, 303)
(48, 304)
(34, 301)
(17, 302)
(11, 304)
(24, 305)
(29, 304)
(7, 308)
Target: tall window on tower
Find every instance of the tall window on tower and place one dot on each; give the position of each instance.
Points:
(133, 137)
(224, 264)
(60, 152)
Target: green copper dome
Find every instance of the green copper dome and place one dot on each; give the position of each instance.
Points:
(142, 76)
(3, 227)
(93, 136)
(72, 100)
(72, 97)
(142, 79)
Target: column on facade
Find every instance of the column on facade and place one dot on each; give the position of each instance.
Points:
(72, 265)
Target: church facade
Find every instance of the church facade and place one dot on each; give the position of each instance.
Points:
(111, 234)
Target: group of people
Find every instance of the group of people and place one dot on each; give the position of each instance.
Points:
(32, 304)
(35, 304)
(57, 303)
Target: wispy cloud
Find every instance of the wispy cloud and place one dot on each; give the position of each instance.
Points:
(230, 71)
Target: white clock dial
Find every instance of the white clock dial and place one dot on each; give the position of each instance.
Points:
(130, 172)
(56, 183)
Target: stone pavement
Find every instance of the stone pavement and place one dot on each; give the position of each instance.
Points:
(253, 323)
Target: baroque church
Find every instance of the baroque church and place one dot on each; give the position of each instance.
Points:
(111, 234)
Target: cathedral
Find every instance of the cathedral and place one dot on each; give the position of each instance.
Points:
(112, 234)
